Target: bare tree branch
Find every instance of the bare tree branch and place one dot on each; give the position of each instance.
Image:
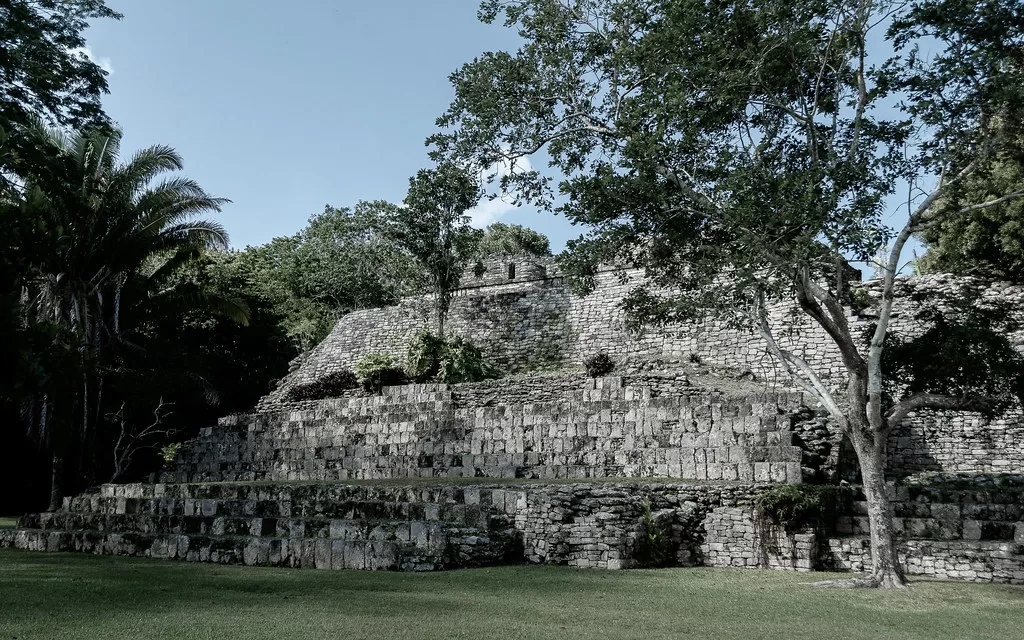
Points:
(920, 401)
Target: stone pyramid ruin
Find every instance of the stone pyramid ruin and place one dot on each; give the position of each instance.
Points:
(659, 463)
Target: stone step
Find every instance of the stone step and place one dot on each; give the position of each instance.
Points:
(307, 492)
(343, 528)
(352, 509)
(609, 430)
(460, 549)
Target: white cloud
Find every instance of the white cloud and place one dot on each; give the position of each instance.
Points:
(103, 63)
(489, 211)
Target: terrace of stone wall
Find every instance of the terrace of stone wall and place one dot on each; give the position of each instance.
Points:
(590, 428)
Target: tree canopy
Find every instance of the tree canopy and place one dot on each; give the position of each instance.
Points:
(92, 273)
(338, 263)
(500, 238)
(987, 242)
(44, 67)
(741, 152)
(432, 225)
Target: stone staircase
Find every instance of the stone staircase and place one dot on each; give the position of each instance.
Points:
(604, 429)
(318, 525)
(292, 487)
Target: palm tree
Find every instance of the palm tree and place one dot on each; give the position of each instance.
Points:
(111, 226)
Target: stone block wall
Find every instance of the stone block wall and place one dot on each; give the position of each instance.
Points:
(598, 429)
(1001, 562)
(734, 538)
(602, 525)
(934, 513)
(437, 526)
(534, 320)
(958, 443)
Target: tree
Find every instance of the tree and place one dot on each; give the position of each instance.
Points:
(344, 263)
(339, 263)
(44, 68)
(740, 151)
(510, 239)
(432, 226)
(114, 237)
(986, 242)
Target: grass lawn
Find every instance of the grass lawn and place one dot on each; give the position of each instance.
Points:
(78, 596)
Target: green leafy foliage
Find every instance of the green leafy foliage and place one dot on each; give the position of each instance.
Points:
(653, 547)
(451, 360)
(463, 362)
(169, 452)
(512, 239)
(964, 352)
(433, 228)
(426, 351)
(377, 370)
(339, 263)
(331, 385)
(985, 242)
(598, 365)
(799, 506)
(44, 68)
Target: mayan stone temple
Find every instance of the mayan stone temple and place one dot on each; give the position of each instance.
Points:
(548, 465)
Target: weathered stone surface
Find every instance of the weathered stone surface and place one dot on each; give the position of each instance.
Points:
(429, 527)
(595, 428)
(533, 320)
(1001, 562)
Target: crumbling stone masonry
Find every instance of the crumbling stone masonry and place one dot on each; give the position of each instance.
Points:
(640, 468)
(602, 430)
(420, 527)
(533, 319)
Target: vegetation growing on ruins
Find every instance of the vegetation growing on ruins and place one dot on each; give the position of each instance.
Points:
(338, 263)
(512, 239)
(331, 385)
(377, 370)
(762, 140)
(804, 506)
(599, 364)
(451, 359)
(433, 227)
(118, 300)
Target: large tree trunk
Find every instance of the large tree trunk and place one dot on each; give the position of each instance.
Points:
(56, 473)
(886, 570)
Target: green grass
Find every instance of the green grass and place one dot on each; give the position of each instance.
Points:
(76, 596)
(8, 522)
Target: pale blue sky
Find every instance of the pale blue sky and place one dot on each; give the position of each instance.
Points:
(285, 107)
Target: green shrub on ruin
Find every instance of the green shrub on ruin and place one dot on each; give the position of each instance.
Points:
(793, 507)
(451, 360)
(463, 362)
(424, 356)
(377, 370)
(598, 365)
(169, 452)
(653, 546)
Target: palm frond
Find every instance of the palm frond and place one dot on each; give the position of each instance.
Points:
(134, 177)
